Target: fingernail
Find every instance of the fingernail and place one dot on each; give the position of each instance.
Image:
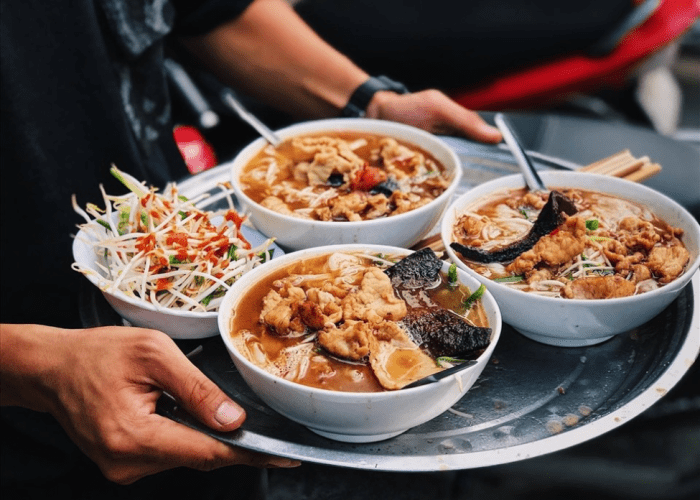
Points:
(227, 413)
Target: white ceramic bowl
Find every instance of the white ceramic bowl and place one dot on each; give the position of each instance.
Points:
(345, 416)
(177, 324)
(401, 230)
(578, 322)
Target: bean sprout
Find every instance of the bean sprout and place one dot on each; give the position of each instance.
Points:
(162, 249)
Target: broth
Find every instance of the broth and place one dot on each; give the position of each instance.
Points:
(347, 176)
(298, 354)
(611, 247)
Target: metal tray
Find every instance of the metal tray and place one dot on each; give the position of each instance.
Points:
(530, 400)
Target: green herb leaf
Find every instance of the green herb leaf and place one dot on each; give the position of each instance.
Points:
(263, 255)
(129, 181)
(123, 225)
(509, 279)
(475, 296)
(174, 260)
(231, 254)
(103, 223)
(452, 274)
(592, 224)
(448, 359)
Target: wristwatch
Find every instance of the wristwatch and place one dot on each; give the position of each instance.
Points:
(363, 94)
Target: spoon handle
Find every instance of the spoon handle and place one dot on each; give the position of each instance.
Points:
(436, 377)
(532, 178)
(251, 119)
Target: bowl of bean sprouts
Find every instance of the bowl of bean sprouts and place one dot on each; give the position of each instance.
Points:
(160, 261)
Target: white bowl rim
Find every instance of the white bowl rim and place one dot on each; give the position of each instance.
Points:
(352, 125)
(675, 285)
(352, 396)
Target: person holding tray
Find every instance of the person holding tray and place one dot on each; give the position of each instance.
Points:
(83, 87)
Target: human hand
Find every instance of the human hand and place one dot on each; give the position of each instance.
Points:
(102, 386)
(433, 111)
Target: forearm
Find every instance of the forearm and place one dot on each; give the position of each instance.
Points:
(28, 362)
(271, 54)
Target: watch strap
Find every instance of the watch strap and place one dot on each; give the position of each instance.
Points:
(363, 94)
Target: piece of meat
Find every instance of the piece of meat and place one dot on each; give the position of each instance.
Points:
(400, 160)
(406, 201)
(375, 300)
(280, 310)
(552, 215)
(443, 333)
(328, 303)
(311, 315)
(668, 262)
(349, 206)
(599, 287)
(553, 249)
(276, 205)
(638, 234)
(348, 340)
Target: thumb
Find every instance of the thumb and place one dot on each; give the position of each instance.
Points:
(200, 396)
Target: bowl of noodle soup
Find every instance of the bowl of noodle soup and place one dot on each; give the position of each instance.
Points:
(340, 397)
(600, 273)
(346, 180)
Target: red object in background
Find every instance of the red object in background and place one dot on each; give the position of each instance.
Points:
(578, 73)
(196, 151)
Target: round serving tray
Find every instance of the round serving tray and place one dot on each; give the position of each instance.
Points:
(530, 400)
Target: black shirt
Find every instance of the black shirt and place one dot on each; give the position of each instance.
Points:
(82, 87)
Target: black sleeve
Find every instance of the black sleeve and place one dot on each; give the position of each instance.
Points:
(199, 17)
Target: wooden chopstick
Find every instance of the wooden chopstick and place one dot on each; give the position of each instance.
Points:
(622, 164)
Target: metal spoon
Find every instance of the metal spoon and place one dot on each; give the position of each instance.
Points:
(230, 99)
(436, 377)
(532, 178)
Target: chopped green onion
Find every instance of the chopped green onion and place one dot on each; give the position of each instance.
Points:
(129, 181)
(475, 296)
(174, 260)
(231, 254)
(123, 225)
(263, 255)
(509, 279)
(207, 299)
(448, 359)
(524, 214)
(452, 275)
(592, 224)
